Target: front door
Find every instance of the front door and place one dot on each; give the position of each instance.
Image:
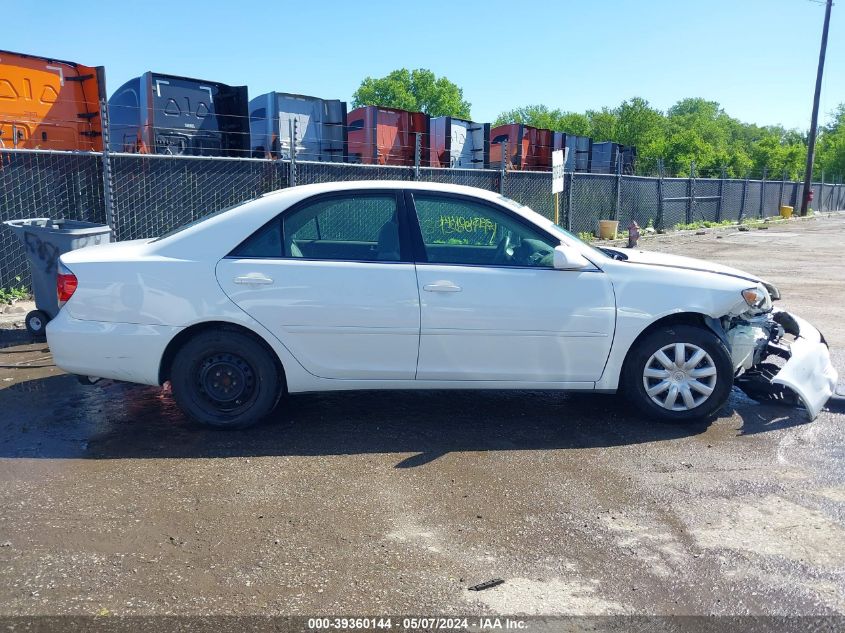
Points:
(331, 280)
(492, 306)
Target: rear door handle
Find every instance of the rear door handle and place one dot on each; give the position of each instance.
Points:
(442, 286)
(253, 278)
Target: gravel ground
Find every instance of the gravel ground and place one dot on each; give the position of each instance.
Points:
(366, 503)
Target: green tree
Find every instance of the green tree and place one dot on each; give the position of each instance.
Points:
(534, 115)
(697, 130)
(602, 124)
(417, 90)
(641, 125)
(830, 147)
(574, 123)
(543, 117)
(778, 153)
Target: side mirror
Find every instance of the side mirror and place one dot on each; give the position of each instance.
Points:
(568, 258)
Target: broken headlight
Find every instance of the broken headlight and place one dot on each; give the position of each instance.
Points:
(758, 298)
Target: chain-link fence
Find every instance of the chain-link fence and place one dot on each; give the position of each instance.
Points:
(150, 194)
(41, 184)
(153, 194)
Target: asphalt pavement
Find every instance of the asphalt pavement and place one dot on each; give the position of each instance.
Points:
(111, 502)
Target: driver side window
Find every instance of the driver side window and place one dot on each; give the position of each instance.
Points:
(459, 231)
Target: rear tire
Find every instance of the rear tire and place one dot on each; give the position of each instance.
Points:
(679, 373)
(225, 379)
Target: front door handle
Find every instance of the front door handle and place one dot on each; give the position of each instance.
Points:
(442, 286)
(253, 278)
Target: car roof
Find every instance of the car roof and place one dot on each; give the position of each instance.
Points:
(329, 187)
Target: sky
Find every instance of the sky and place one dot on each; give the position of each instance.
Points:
(757, 58)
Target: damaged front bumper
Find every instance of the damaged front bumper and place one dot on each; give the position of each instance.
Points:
(781, 357)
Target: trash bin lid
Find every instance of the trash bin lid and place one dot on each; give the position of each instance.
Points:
(67, 227)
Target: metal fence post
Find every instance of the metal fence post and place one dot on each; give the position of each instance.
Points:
(618, 201)
(417, 152)
(744, 197)
(569, 199)
(721, 194)
(292, 132)
(763, 192)
(821, 193)
(108, 182)
(782, 185)
(658, 223)
(502, 166)
(691, 188)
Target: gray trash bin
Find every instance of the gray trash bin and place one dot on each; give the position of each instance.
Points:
(44, 241)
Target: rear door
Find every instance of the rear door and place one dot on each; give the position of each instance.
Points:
(333, 280)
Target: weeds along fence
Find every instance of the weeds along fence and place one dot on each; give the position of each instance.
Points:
(142, 196)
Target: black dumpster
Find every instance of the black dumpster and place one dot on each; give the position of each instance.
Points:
(44, 241)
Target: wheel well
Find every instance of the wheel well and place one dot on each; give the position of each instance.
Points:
(679, 318)
(188, 333)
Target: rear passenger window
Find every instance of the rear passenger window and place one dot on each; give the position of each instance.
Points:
(348, 228)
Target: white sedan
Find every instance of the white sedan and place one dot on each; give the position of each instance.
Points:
(399, 285)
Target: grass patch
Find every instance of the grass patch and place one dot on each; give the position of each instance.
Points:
(710, 224)
(14, 293)
(703, 224)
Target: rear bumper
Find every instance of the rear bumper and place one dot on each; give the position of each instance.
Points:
(120, 351)
(808, 372)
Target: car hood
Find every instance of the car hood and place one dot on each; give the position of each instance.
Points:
(688, 263)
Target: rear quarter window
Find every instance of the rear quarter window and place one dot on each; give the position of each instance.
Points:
(265, 242)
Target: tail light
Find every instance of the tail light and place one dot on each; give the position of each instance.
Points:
(66, 284)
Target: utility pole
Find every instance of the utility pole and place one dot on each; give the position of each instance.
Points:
(814, 120)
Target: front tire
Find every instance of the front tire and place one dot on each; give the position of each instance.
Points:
(679, 373)
(225, 379)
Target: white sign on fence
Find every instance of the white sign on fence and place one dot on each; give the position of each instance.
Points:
(558, 161)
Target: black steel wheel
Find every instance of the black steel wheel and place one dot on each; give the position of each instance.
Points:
(225, 379)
